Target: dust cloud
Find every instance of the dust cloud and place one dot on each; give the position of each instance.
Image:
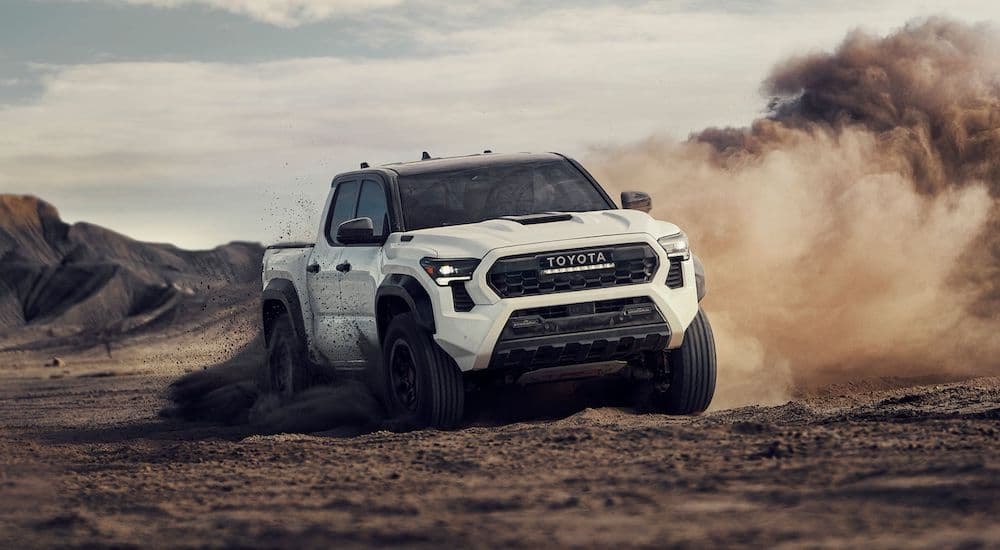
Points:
(854, 230)
(229, 393)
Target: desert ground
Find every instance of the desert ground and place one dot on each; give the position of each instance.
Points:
(87, 459)
(149, 432)
(851, 236)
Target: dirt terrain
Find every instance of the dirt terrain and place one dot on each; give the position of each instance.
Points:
(853, 239)
(85, 460)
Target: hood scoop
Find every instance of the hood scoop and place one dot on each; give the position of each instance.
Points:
(532, 219)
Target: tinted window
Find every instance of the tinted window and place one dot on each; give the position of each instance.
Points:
(344, 203)
(373, 205)
(487, 192)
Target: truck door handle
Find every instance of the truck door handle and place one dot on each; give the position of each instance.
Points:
(312, 268)
(344, 267)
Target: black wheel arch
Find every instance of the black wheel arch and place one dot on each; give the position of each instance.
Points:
(699, 277)
(401, 293)
(279, 297)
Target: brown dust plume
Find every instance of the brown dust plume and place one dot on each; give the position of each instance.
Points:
(854, 231)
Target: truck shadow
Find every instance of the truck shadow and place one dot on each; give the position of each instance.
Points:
(548, 401)
(222, 402)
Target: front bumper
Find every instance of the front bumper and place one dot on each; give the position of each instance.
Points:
(484, 338)
(583, 332)
(576, 349)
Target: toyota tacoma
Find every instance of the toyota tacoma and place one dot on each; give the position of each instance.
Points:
(431, 278)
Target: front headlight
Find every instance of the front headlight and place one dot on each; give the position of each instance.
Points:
(676, 245)
(445, 271)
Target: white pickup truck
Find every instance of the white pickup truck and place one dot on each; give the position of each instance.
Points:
(434, 277)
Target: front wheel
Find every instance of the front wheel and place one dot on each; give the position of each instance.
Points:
(688, 384)
(422, 382)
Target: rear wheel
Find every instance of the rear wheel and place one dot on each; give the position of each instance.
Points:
(685, 381)
(286, 370)
(422, 382)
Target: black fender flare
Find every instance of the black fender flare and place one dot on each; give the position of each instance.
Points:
(408, 289)
(699, 277)
(282, 291)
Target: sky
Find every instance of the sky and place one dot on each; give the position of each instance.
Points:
(199, 122)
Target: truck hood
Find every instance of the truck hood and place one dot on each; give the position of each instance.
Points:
(477, 239)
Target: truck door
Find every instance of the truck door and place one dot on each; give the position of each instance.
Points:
(330, 331)
(362, 269)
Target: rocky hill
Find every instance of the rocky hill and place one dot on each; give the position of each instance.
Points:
(79, 282)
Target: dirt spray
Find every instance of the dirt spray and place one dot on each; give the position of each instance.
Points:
(854, 230)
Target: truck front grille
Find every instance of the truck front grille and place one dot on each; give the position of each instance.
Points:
(516, 276)
(561, 311)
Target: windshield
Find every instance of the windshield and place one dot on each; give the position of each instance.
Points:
(476, 194)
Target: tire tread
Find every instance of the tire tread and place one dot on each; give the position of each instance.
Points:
(301, 377)
(446, 394)
(693, 378)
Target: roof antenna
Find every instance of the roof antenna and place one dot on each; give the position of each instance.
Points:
(425, 156)
(364, 165)
(488, 151)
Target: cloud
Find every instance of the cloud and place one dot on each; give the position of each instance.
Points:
(294, 13)
(567, 79)
(282, 13)
(566, 83)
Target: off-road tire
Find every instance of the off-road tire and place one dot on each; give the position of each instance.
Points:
(286, 369)
(692, 370)
(430, 391)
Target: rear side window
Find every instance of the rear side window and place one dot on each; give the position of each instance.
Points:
(344, 203)
(373, 205)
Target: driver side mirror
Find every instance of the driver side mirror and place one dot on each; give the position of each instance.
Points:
(637, 200)
(357, 231)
